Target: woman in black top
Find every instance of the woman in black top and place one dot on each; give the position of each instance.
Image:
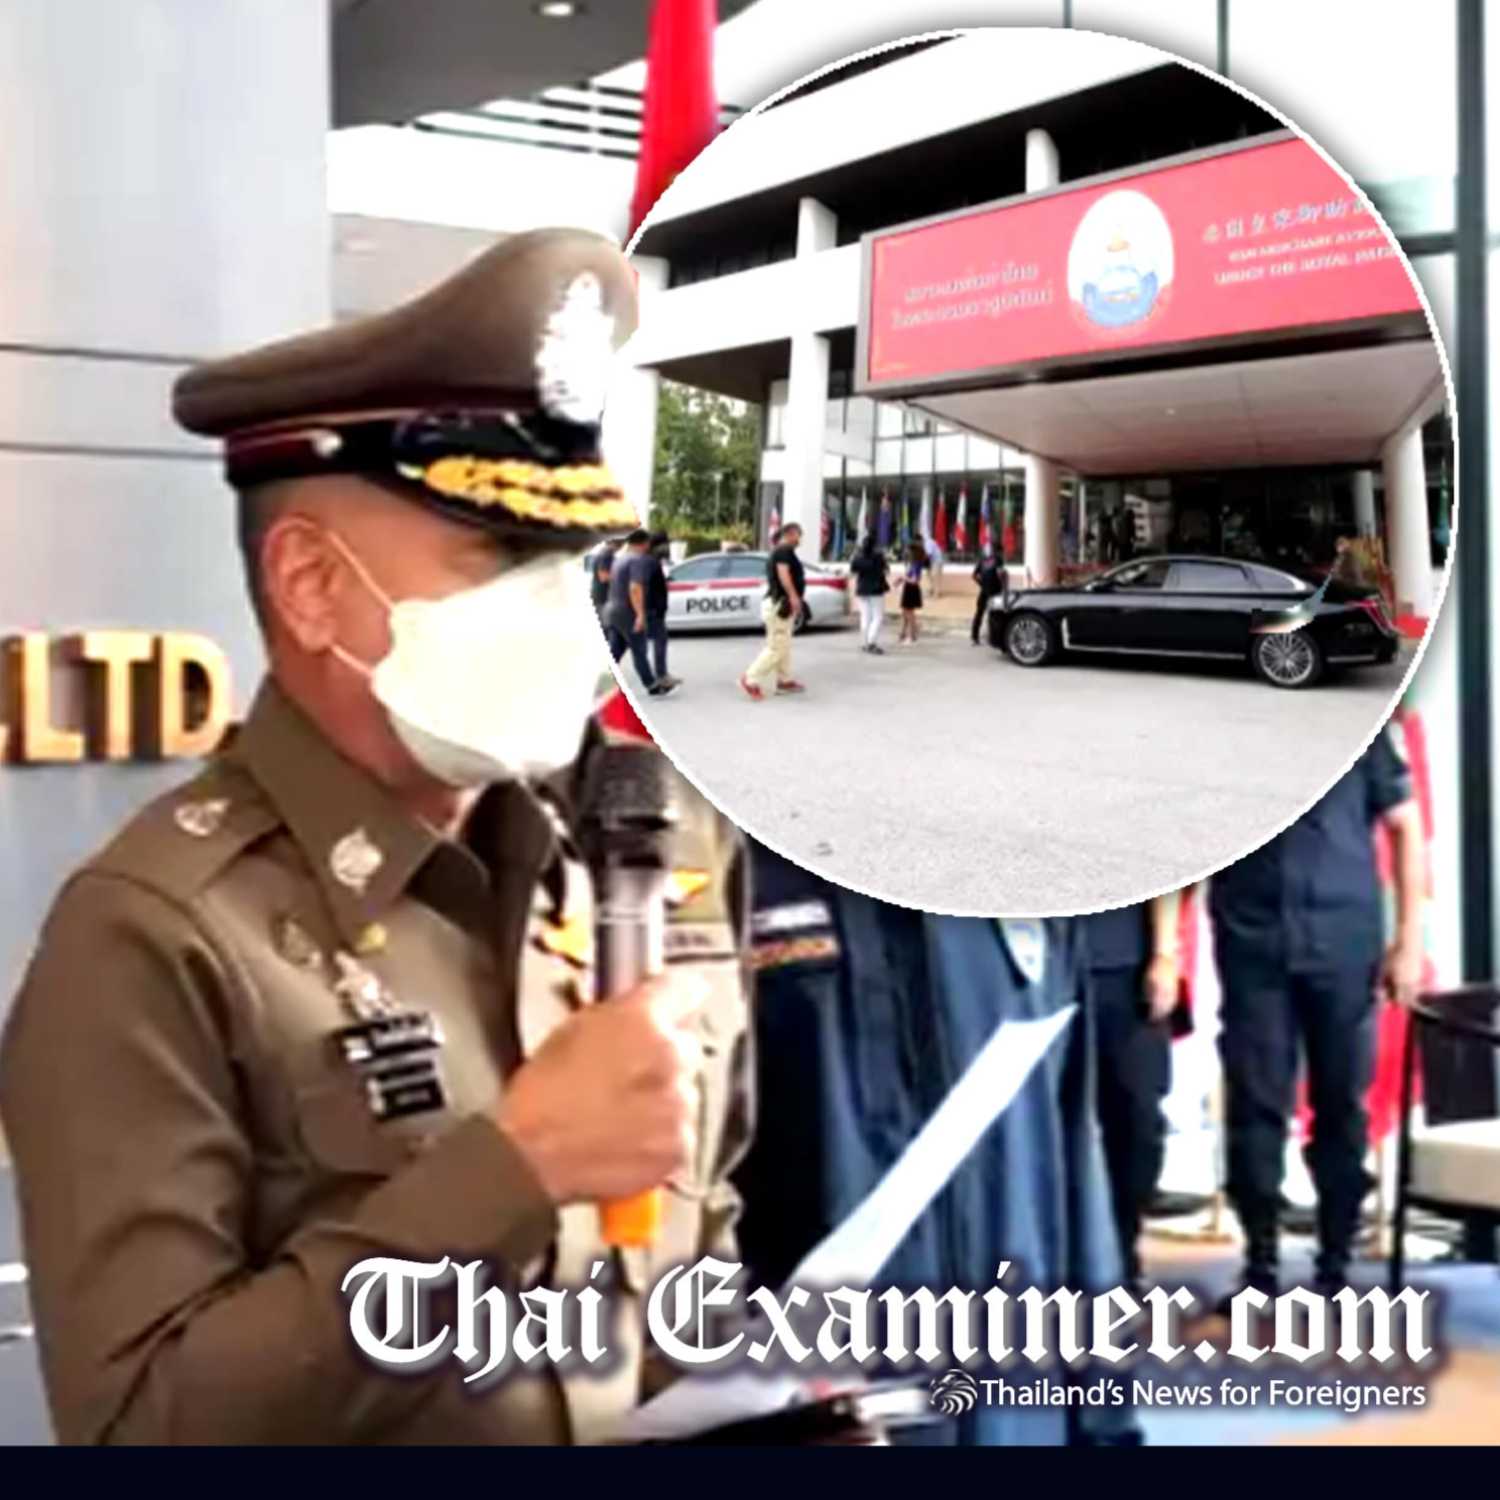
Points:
(871, 584)
(911, 591)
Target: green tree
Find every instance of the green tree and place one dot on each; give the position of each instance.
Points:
(707, 463)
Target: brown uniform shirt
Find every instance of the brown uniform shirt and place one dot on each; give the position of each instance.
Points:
(198, 1163)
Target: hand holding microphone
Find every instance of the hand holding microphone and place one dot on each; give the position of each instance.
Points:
(606, 1109)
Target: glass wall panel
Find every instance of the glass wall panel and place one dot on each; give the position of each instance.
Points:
(1190, 28)
(1372, 82)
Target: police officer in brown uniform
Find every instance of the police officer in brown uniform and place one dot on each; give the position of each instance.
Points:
(330, 1000)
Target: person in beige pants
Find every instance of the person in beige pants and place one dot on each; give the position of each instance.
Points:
(785, 582)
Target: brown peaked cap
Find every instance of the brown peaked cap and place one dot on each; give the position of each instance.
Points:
(480, 399)
(470, 342)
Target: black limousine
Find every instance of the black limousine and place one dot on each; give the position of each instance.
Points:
(1288, 630)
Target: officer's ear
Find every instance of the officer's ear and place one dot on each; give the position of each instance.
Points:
(301, 574)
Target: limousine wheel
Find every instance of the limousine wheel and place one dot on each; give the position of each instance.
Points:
(1290, 660)
(1030, 640)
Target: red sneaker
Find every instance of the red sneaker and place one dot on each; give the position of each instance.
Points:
(791, 685)
(751, 691)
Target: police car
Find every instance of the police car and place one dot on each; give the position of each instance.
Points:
(724, 590)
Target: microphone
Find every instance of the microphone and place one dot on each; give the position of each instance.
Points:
(624, 834)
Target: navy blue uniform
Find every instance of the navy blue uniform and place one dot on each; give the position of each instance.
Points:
(1299, 934)
(1134, 1064)
(866, 1015)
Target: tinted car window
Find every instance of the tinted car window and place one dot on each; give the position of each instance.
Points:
(699, 569)
(1210, 577)
(1278, 583)
(1145, 575)
(745, 567)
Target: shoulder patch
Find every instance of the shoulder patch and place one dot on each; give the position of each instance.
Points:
(177, 844)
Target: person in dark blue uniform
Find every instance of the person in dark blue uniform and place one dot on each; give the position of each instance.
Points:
(866, 1016)
(1299, 939)
(1133, 971)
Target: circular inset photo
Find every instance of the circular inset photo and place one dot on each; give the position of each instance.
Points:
(1053, 482)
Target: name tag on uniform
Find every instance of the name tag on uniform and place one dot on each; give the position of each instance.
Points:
(396, 1057)
(796, 916)
(1026, 940)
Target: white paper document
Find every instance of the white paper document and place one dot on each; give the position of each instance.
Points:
(853, 1254)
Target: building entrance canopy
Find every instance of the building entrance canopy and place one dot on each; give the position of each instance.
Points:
(1237, 307)
(1334, 407)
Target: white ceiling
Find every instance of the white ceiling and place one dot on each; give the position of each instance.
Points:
(1307, 409)
(396, 59)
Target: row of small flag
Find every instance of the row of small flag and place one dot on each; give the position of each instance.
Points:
(903, 520)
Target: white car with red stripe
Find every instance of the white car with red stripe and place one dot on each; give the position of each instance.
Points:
(724, 590)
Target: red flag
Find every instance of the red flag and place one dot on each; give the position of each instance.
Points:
(961, 527)
(680, 116)
(620, 722)
(940, 525)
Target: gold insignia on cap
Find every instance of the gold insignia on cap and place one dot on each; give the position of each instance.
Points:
(372, 939)
(572, 495)
(354, 859)
(294, 943)
(201, 819)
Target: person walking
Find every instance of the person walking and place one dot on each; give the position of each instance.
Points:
(656, 608)
(625, 614)
(989, 574)
(782, 609)
(935, 562)
(601, 561)
(911, 592)
(872, 582)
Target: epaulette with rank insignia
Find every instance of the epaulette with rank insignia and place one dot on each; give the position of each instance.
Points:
(179, 843)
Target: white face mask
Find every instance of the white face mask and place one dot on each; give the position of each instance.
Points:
(493, 683)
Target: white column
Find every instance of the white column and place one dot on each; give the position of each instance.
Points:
(1043, 512)
(1364, 503)
(629, 433)
(807, 397)
(1043, 520)
(1042, 170)
(1406, 531)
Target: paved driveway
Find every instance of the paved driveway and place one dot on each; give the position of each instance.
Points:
(943, 776)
